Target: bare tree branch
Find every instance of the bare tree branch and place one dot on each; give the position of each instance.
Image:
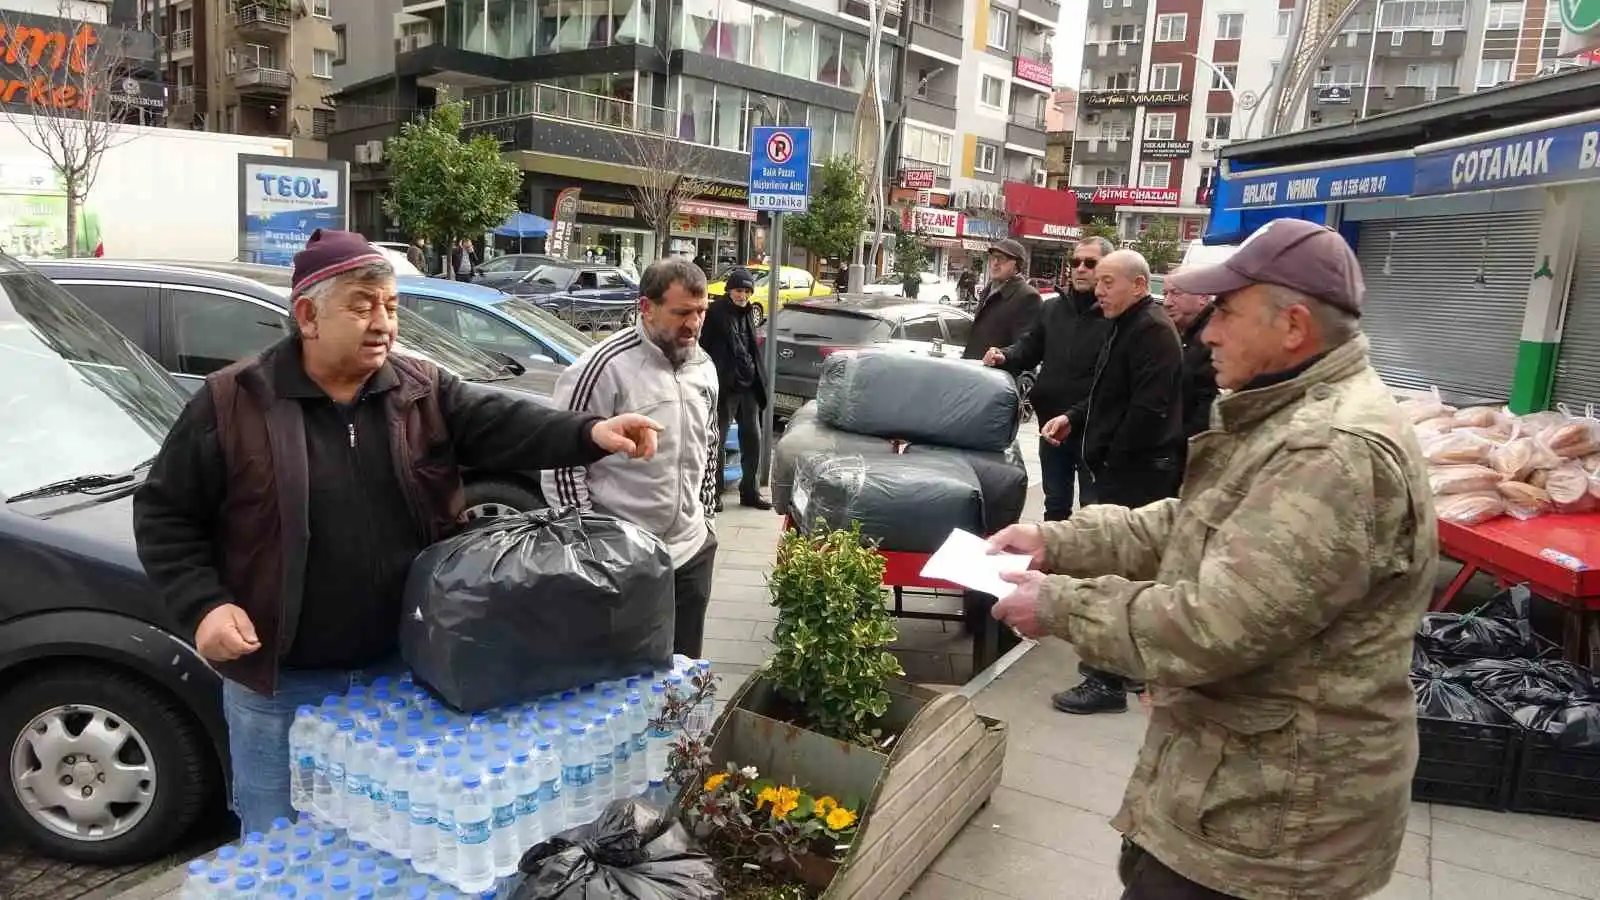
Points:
(64, 87)
(668, 178)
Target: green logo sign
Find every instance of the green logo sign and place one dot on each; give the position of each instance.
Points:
(1580, 16)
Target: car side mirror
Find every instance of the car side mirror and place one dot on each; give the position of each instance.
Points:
(541, 358)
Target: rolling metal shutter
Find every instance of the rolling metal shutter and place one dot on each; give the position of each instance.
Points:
(1578, 361)
(1445, 300)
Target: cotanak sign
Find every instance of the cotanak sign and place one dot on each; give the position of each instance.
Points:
(36, 57)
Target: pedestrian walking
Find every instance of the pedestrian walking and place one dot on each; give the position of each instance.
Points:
(1190, 313)
(1010, 305)
(656, 367)
(729, 338)
(1271, 609)
(280, 518)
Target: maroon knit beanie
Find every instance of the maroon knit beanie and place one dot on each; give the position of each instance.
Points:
(329, 253)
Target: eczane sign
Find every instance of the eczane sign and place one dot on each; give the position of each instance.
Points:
(932, 221)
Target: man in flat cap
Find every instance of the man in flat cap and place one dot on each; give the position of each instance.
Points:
(1009, 306)
(1270, 608)
(284, 509)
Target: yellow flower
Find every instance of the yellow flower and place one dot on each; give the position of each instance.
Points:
(716, 781)
(840, 819)
(787, 799)
(824, 806)
(767, 795)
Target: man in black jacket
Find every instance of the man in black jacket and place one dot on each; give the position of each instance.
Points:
(729, 338)
(1190, 313)
(283, 512)
(1010, 306)
(1064, 343)
(1129, 429)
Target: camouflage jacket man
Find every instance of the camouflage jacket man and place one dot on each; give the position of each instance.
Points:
(1271, 607)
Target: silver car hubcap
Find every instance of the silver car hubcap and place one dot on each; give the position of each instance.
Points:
(491, 510)
(83, 773)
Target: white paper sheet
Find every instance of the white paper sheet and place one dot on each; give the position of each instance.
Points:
(964, 559)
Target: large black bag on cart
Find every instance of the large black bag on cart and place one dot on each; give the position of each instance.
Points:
(535, 603)
(904, 502)
(919, 398)
(805, 433)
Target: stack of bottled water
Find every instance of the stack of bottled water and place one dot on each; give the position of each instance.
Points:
(387, 779)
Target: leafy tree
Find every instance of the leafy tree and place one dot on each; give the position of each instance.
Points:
(832, 227)
(910, 253)
(1159, 244)
(446, 188)
(1101, 228)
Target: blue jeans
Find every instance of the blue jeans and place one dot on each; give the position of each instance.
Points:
(258, 737)
(1058, 470)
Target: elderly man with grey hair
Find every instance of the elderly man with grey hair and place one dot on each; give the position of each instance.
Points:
(657, 367)
(1190, 313)
(281, 516)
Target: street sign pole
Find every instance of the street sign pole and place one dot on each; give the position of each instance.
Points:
(770, 379)
(780, 182)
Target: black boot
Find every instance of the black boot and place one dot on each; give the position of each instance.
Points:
(1094, 695)
(755, 501)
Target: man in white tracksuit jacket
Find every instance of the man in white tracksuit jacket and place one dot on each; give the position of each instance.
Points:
(657, 369)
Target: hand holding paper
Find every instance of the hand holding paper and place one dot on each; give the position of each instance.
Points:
(966, 559)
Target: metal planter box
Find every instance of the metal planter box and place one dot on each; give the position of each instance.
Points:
(944, 766)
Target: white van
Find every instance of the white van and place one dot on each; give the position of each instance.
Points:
(1198, 254)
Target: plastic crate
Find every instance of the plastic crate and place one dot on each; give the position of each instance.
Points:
(1555, 781)
(1465, 763)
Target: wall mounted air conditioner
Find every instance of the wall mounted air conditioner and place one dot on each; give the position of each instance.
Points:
(1208, 146)
(361, 155)
(375, 152)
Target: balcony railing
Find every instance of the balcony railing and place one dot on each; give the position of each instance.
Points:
(937, 98)
(262, 14)
(922, 13)
(183, 94)
(261, 78)
(526, 100)
(1037, 54)
(182, 39)
(1028, 120)
(940, 170)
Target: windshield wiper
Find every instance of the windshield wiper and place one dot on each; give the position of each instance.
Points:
(70, 485)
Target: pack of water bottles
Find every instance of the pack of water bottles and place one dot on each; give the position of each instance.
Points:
(389, 775)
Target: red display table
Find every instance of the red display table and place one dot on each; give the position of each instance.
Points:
(1510, 551)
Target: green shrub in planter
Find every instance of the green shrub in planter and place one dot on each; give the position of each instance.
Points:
(832, 633)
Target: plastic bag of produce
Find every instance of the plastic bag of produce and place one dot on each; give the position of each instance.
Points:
(1463, 479)
(1438, 698)
(1470, 509)
(1577, 436)
(633, 851)
(1421, 409)
(537, 602)
(1568, 486)
(1500, 629)
(1520, 456)
(1523, 501)
(905, 502)
(1481, 417)
(806, 433)
(1458, 448)
(919, 398)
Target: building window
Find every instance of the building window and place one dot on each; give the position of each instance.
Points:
(1166, 77)
(1436, 74)
(1122, 81)
(1172, 27)
(322, 63)
(1114, 131)
(999, 28)
(1109, 177)
(340, 54)
(1230, 26)
(924, 145)
(1219, 128)
(1424, 14)
(322, 8)
(987, 159)
(1285, 21)
(1154, 174)
(1225, 77)
(1397, 38)
(321, 123)
(1160, 126)
(1344, 74)
(1493, 71)
(1125, 34)
(991, 92)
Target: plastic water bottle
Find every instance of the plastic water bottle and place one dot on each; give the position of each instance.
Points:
(272, 874)
(577, 777)
(660, 735)
(357, 796)
(474, 870)
(299, 860)
(503, 844)
(390, 885)
(194, 882)
(621, 752)
(552, 802)
(524, 785)
(383, 770)
(339, 887)
(244, 888)
(706, 710)
(449, 798)
(400, 801)
(656, 794)
(343, 741)
(424, 823)
(217, 883)
(637, 724)
(602, 749)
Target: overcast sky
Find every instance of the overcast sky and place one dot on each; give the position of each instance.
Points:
(1068, 60)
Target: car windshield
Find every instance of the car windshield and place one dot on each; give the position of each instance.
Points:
(816, 324)
(550, 326)
(80, 398)
(554, 276)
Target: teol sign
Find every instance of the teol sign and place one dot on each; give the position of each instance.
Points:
(36, 55)
(1129, 99)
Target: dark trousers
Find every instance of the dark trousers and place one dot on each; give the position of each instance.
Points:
(1145, 878)
(691, 585)
(1058, 470)
(1131, 487)
(742, 408)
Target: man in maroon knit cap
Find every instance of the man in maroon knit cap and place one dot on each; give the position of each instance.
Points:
(286, 505)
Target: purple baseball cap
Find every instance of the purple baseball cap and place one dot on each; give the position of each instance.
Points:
(1291, 253)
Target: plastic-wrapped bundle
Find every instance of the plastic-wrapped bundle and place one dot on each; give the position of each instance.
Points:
(922, 399)
(1440, 698)
(805, 433)
(537, 602)
(904, 502)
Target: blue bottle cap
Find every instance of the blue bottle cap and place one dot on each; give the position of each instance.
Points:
(314, 876)
(599, 721)
(228, 852)
(339, 858)
(278, 847)
(550, 724)
(332, 700)
(417, 892)
(503, 747)
(347, 724)
(521, 756)
(364, 892)
(451, 751)
(406, 751)
(217, 876)
(542, 744)
(385, 744)
(470, 781)
(340, 882)
(197, 867)
(576, 729)
(282, 823)
(305, 710)
(275, 867)
(249, 860)
(314, 895)
(425, 764)
(634, 699)
(389, 876)
(452, 771)
(368, 866)
(287, 891)
(300, 854)
(245, 883)
(616, 710)
(658, 689)
(255, 837)
(363, 737)
(325, 838)
(497, 767)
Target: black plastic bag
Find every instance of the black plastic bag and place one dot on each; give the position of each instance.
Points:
(1500, 629)
(1575, 724)
(631, 852)
(1515, 681)
(535, 603)
(1439, 698)
(919, 398)
(1421, 662)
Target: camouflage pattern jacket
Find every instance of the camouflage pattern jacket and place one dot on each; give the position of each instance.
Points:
(1272, 608)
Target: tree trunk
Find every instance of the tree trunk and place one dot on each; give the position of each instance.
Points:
(72, 222)
(663, 236)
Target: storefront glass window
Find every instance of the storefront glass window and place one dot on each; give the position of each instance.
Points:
(767, 40)
(799, 48)
(822, 125)
(732, 34)
(828, 64)
(693, 25)
(508, 29)
(636, 21)
(853, 65)
(764, 110)
(730, 130)
(697, 102)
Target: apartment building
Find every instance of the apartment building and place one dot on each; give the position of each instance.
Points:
(256, 67)
(1060, 120)
(1166, 83)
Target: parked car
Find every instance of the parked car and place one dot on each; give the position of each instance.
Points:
(591, 297)
(197, 317)
(932, 290)
(396, 255)
(509, 268)
(111, 723)
(495, 321)
(809, 331)
(794, 284)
